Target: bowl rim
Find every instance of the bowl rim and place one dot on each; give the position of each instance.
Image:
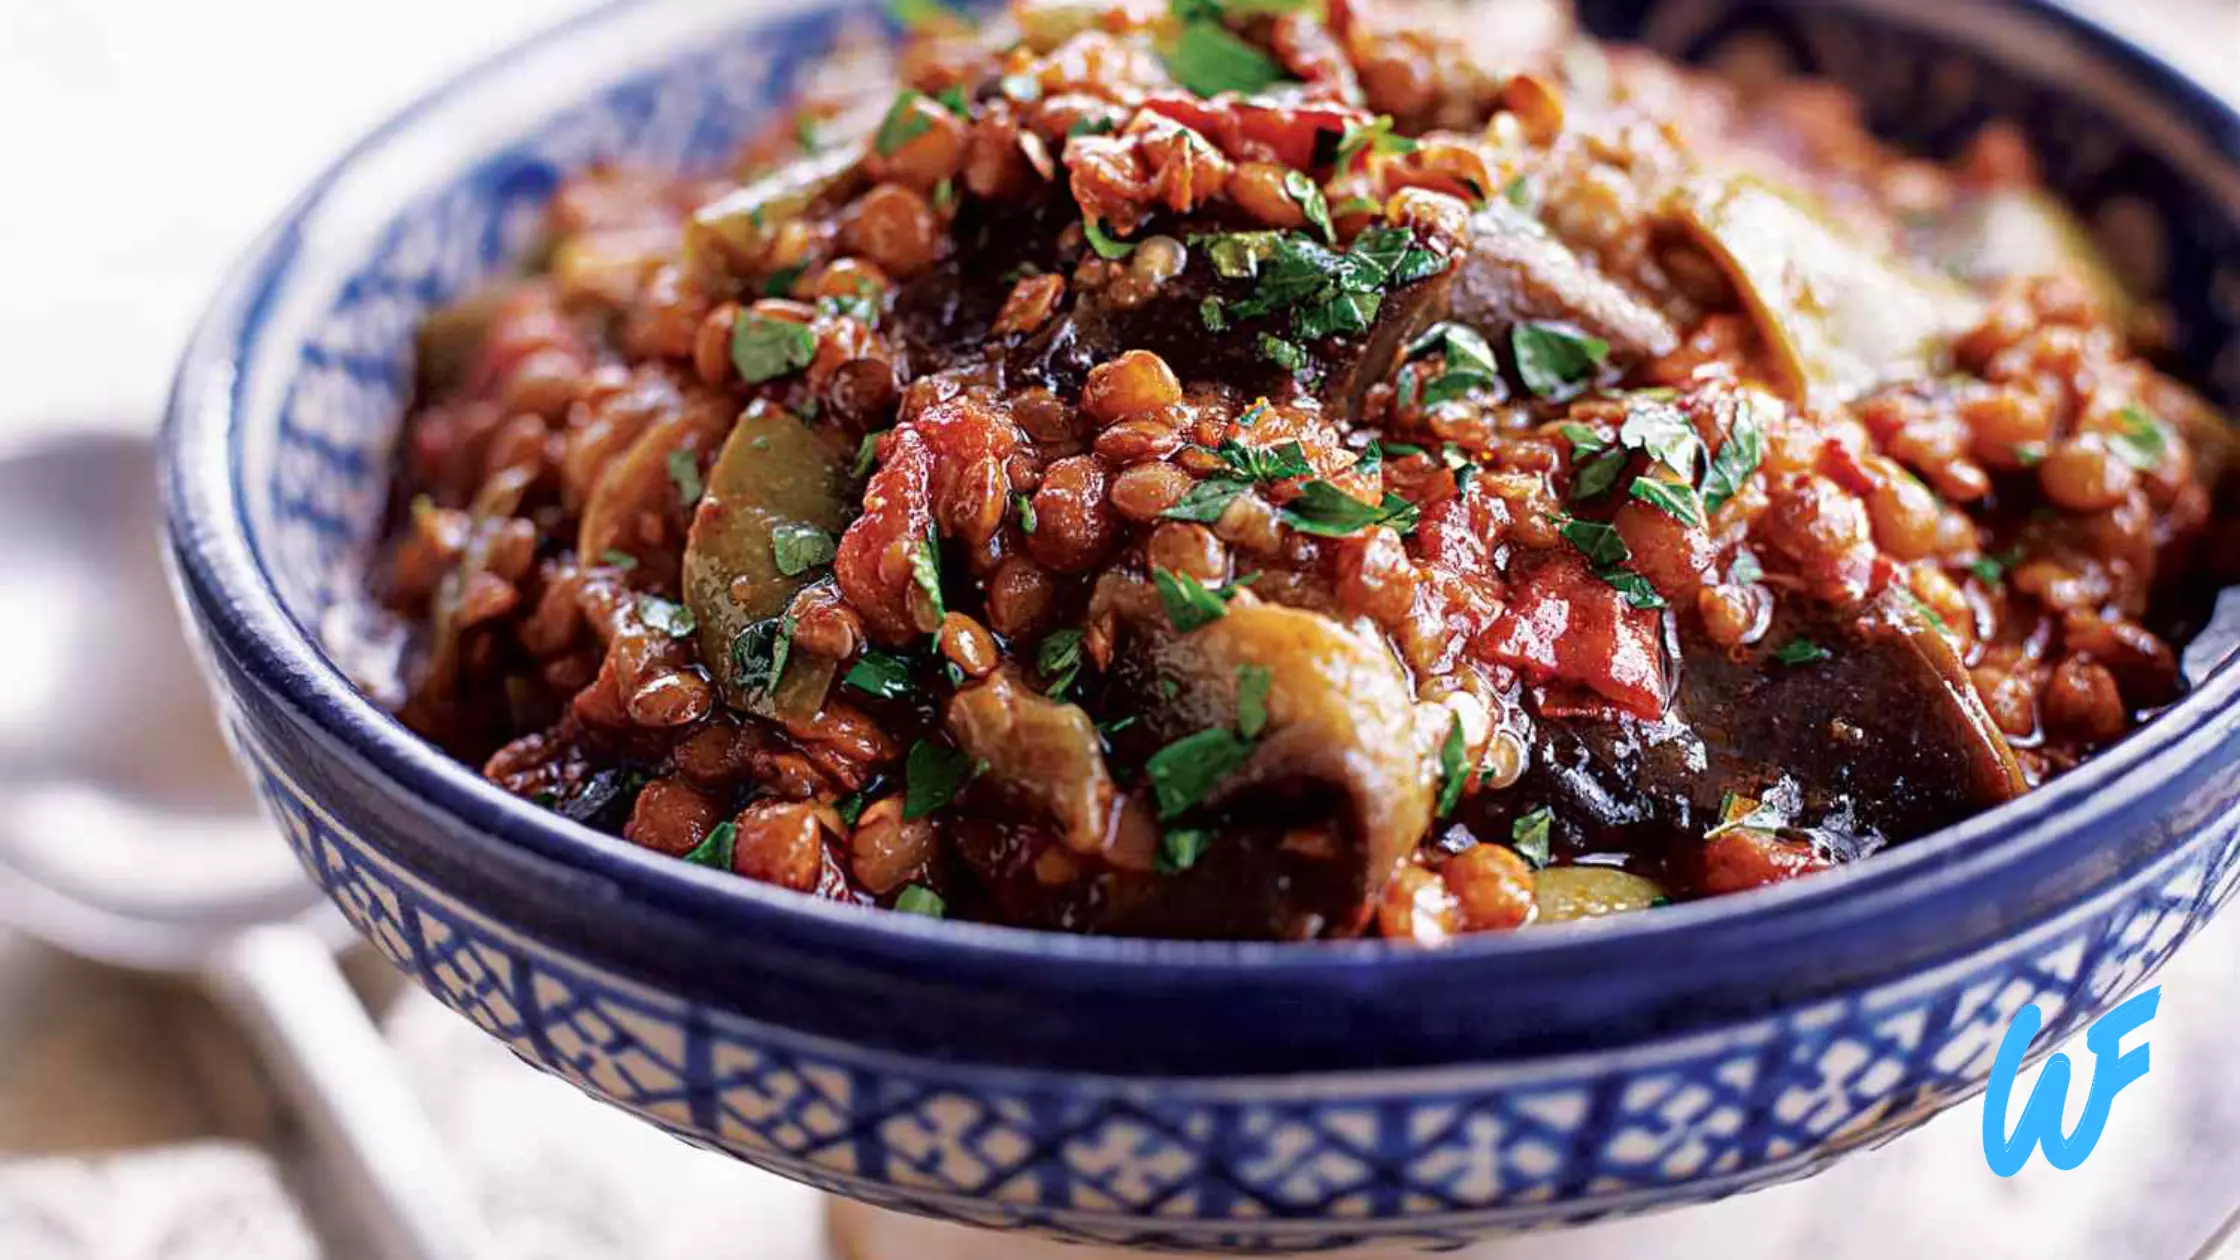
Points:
(205, 517)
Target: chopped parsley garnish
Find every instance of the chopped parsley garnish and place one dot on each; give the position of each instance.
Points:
(1664, 433)
(1059, 661)
(684, 474)
(1252, 700)
(1669, 497)
(1598, 474)
(1184, 771)
(918, 15)
(1801, 651)
(1204, 502)
(1108, 247)
(1519, 193)
(1283, 354)
(1598, 542)
(765, 349)
(945, 194)
(674, 620)
(1738, 813)
(780, 283)
(1454, 768)
(805, 132)
(714, 851)
(953, 99)
(1324, 292)
(1633, 587)
(1265, 463)
(933, 776)
(1738, 457)
(1190, 606)
(1091, 127)
(799, 548)
(622, 560)
(1208, 60)
(1528, 835)
(1745, 569)
(1180, 849)
(880, 674)
(1029, 521)
(1470, 364)
(758, 655)
(1212, 315)
(1300, 187)
(905, 121)
(1371, 458)
(1554, 362)
(1324, 509)
(2030, 454)
(2141, 442)
(925, 570)
(1928, 614)
(921, 900)
(1584, 441)
(1374, 136)
(1991, 568)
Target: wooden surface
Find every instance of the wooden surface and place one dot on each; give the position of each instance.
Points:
(146, 142)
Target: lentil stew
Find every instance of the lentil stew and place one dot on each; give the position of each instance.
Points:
(1297, 468)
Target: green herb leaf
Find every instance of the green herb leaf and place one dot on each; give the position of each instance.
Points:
(759, 653)
(1528, 835)
(1992, 568)
(780, 283)
(1556, 363)
(674, 620)
(799, 548)
(1282, 353)
(932, 777)
(1180, 849)
(2142, 442)
(1598, 542)
(919, 15)
(1660, 430)
(904, 121)
(1374, 136)
(1632, 586)
(1265, 463)
(684, 474)
(1091, 127)
(1210, 314)
(1206, 59)
(1059, 660)
(921, 900)
(1669, 497)
(1584, 441)
(1371, 458)
(1252, 700)
(1745, 569)
(867, 454)
(881, 674)
(1107, 247)
(1206, 501)
(1190, 605)
(1738, 457)
(1324, 509)
(1518, 193)
(1740, 813)
(1300, 187)
(622, 560)
(925, 570)
(1598, 474)
(714, 851)
(1455, 770)
(1239, 255)
(1184, 771)
(765, 349)
(1801, 651)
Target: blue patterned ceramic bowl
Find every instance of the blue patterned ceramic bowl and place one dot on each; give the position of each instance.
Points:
(1224, 1097)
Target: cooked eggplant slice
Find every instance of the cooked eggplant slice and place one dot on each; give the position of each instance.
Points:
(1880, 737)
(729, 238)
(1839, 316)
(775, 474)
(2007, 232)
(1517, 272)
(1042, 754)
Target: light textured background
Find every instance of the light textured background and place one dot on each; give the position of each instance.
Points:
(142, 145)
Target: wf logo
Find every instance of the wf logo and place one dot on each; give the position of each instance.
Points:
(2112, 1068)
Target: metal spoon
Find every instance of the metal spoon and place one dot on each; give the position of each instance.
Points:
(129, 839)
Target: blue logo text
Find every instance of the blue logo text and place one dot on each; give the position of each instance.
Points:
(2112, 1069)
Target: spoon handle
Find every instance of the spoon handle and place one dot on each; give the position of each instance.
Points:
(407, 1198)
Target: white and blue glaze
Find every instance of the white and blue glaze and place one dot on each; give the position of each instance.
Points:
(1243, 1098)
